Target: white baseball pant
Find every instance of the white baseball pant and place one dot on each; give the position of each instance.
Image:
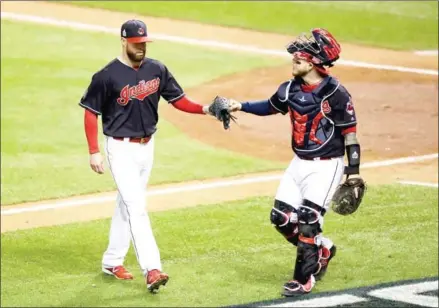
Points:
(314, 180)
(130, 165)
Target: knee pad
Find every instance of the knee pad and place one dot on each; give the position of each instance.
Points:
(282, 213)
(310, 213)
(284, 217)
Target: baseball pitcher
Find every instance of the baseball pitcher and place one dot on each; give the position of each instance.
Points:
(324, 128)
(126, 93)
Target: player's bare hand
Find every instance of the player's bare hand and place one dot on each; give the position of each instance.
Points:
(97, 163)
(234, 105)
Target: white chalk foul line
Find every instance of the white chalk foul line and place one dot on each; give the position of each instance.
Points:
(327, 301)
(201, 186)
(397, 161)
(207, 43)
(426, 52)
(435, 185)
(152, 192)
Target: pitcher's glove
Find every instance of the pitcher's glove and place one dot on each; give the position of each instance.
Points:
(220, 110)
(348, 195)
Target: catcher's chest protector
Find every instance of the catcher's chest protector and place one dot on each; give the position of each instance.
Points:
(310, 114)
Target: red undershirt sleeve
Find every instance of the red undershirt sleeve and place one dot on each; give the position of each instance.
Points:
(186, 105)
(91, 131)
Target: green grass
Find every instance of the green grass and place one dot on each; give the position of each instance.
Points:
(223, 254)
(45, 71)
(399, 25)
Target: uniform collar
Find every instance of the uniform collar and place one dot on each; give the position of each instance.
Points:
(119, 58)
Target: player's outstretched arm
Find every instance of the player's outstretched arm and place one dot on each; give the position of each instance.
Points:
(260, 108)
(185, 104)
(218, 109)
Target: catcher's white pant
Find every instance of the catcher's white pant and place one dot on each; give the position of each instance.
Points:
(130, 165)
(314, 180)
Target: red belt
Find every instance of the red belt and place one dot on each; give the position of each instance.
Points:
(135, 140)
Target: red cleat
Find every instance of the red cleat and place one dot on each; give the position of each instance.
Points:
(119, 272)
(155, 279)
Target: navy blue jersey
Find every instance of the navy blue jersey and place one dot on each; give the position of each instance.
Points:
(317, 117)
(128, 98)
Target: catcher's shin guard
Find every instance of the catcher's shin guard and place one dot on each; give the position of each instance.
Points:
(284, 218)
(325, 255)
(307, 259)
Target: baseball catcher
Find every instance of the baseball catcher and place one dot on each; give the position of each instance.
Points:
(324, 126)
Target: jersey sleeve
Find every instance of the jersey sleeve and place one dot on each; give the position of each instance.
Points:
(343, 109)
(279, 99)
(169, 87)
(95, 95)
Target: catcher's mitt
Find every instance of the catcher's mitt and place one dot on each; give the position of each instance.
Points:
(220, 110)
(347, 198)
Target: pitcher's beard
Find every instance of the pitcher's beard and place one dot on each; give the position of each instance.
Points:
(135, 57)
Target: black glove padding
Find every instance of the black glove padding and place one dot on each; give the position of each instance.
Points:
(220, 110)
(348, 196)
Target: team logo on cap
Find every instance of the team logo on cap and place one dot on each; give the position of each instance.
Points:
(141, 31)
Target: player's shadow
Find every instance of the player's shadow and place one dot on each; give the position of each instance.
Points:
(96, 288)
(102, 289)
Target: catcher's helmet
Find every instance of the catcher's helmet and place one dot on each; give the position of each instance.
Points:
(320, 49)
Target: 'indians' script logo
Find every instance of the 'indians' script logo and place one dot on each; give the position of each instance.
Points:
(142, 90)
(326, 107)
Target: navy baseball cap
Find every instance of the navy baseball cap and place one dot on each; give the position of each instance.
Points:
(134, 31)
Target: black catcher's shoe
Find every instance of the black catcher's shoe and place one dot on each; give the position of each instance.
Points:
(294, 288)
